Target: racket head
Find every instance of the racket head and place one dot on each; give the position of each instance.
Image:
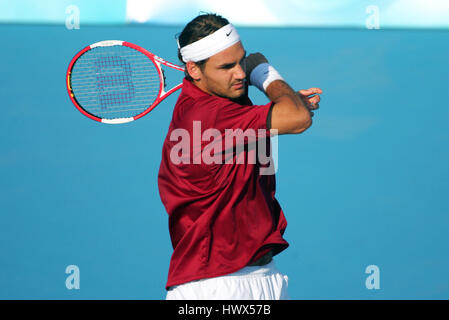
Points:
(115, 81)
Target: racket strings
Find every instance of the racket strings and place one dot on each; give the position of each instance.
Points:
(114, 82)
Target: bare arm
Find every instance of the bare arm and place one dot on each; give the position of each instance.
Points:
(290, 114)
(291, 111)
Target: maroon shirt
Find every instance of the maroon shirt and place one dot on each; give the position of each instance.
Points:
(222, 216)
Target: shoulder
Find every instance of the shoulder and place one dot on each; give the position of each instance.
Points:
(200, 106)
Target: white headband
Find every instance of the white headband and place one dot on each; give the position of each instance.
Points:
(206, 47)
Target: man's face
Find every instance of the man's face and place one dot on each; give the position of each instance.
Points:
(223, 75)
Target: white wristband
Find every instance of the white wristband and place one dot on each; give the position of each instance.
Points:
(263, 75)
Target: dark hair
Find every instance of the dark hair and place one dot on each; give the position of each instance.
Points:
(200, 27)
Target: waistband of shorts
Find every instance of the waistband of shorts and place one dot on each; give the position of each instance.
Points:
(256, 271)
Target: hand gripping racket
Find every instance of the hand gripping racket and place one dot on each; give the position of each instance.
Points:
(117, 82)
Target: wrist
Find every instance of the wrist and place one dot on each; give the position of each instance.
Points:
(263, 75)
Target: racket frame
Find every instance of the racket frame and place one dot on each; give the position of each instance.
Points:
(157, 61)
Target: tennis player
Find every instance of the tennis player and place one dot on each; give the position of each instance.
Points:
(224, 220)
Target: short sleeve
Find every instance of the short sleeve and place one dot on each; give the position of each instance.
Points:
(269, 116)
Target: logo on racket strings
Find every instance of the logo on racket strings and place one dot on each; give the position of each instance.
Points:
(114, 81)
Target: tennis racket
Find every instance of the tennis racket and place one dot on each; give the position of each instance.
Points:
(117, 82)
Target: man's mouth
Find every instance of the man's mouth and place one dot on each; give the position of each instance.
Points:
(238, 85)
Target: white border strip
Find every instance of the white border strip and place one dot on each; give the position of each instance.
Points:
(107, 43)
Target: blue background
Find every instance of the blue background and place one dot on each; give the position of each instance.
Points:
(366, 184)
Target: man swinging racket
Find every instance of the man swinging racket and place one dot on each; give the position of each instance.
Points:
(224, 220)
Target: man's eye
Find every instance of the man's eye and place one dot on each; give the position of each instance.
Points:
(228, 66)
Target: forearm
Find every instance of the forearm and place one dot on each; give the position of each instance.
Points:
(290, 113)
(279, 89)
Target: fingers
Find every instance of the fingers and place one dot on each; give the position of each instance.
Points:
(308, 92)
(314, 99)
(312, 102)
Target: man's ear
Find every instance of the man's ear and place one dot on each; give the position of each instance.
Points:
(194, 70)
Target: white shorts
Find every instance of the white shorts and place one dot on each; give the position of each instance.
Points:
(250, 283)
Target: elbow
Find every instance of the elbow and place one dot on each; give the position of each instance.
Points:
(303, 122)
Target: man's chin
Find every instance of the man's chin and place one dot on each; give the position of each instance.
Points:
(234, 94)
(239, 92)
(241, 97)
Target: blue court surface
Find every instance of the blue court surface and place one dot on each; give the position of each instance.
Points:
(366, 185)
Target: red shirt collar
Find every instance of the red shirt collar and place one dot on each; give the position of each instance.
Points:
(192, 90)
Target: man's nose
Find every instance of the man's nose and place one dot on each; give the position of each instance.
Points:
(240, 72)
